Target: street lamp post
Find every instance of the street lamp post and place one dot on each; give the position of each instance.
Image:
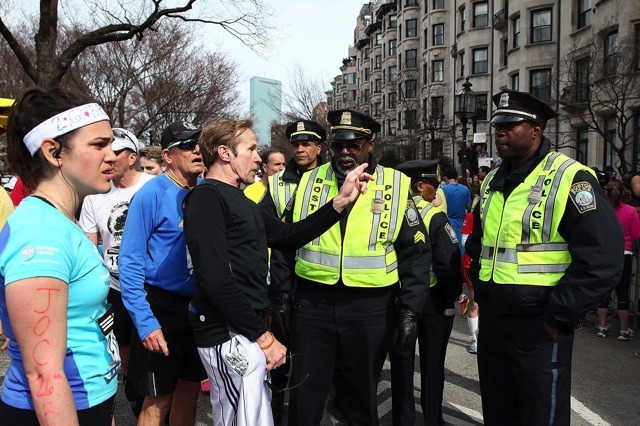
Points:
(432, 124)
(465, 108)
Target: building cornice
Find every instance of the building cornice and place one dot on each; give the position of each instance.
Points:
(372, 28)
(385, 8)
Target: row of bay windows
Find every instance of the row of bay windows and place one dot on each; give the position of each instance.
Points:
(480, 18)
(540, 25)
(541, 21)
(539, 80)
(541, 32)
(407, 90)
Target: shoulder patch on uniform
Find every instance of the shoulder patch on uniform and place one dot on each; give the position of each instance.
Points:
(419, 236)
(411, 213)
(582, 195)
(451, 233)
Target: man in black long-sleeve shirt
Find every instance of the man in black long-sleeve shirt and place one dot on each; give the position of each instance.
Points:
(227, 236)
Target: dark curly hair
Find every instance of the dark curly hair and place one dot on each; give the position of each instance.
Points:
(33, 107)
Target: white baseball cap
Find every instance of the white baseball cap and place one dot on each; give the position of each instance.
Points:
(124, 139)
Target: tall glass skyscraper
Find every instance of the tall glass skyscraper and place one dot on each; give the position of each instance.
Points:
(265, 97)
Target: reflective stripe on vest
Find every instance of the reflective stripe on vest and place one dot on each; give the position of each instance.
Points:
(427, 210)
(521, 243)
(281, 191)
(365, 257)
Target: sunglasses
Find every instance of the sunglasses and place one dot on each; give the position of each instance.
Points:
(118, 133)
(351, 147)
(189, 144)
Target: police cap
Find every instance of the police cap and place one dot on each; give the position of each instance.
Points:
(427, 170)
(306, 130)
(513, 107)
(351, 124)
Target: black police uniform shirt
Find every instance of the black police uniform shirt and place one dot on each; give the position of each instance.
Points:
(445, 258)
(227, 235)
(595, 242)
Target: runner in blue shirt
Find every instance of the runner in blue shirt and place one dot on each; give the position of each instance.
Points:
(157, 282)
(458, 202)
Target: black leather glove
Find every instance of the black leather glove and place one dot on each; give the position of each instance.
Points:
(406, 332)
(281, 314)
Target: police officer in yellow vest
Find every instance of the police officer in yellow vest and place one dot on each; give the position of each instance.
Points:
(548, 246)
(437, 316)
(349, 305)
(306, 138)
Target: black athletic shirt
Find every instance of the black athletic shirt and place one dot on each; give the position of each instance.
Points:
(227, 236)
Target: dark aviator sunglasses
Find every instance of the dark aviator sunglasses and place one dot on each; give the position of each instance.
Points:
(189, 144)
(351, 147)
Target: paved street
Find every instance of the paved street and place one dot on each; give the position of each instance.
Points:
(606, 383)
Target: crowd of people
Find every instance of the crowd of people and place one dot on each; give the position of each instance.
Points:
(206, 261)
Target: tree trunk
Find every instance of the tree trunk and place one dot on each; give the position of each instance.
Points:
(50, 71)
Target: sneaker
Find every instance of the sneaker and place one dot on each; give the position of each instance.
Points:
(637, 353)
(473, 347)
(603, 331)
(625, 335)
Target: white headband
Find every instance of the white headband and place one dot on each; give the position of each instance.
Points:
(65, 122)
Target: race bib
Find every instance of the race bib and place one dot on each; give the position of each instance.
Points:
(111, 259)
(106, 323)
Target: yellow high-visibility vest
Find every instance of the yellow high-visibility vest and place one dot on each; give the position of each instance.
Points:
(281, 191)
(521, 243)
(5, 105)
(255, 191)
(365, 257)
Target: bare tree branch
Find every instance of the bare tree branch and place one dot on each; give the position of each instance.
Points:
(18, 50)
(247, 20)
(601, 90)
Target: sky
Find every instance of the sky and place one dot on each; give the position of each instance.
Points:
(314, 34)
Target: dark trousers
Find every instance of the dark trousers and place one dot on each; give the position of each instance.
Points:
(525, 377)
(348, 328)
(434, 332)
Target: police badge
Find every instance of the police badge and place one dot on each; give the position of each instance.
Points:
(504, 100)
(377, 206)
(535, 194)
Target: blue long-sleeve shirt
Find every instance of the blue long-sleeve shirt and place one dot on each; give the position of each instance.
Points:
(154, 250)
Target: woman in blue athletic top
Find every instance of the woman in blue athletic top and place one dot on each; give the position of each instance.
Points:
(64, 359)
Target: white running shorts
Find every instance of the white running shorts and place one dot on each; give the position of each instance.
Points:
(237, 373)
